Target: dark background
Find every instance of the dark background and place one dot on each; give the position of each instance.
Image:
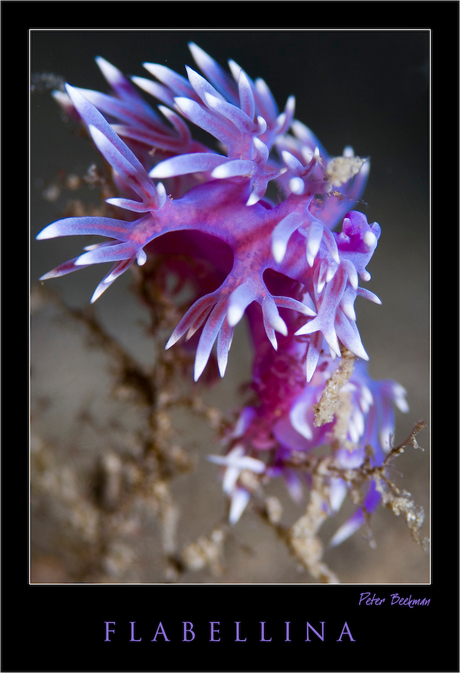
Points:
(365, 88)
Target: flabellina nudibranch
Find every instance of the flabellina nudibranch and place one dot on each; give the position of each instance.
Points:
(292, 263)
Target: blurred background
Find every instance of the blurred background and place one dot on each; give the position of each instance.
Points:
(368, 89)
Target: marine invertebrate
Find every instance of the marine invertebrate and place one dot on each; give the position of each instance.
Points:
(291, 263)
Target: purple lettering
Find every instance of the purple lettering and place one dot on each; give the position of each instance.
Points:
(133, 639)
(160, 630)
(375, 600)
(188, 628)
(107, 631)
(262, 634)
(287, 639)
(213, 632)
(309, 626)
(238, 639)
(347, 632)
